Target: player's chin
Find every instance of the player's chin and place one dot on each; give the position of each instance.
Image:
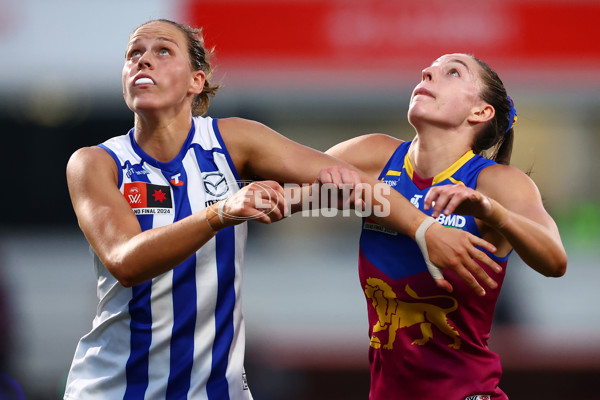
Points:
(144, 104)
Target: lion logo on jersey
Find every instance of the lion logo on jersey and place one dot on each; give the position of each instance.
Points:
(394, 314)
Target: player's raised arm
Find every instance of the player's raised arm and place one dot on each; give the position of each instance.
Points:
(508, 202)
(259, 151)
(114, 232)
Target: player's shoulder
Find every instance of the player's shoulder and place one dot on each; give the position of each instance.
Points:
(87, 155)
(374, 140)
(376, 144)
(368, 152)
(503, 172)
(500, 178)
(239, 124)
(244, 132)
(89, 161)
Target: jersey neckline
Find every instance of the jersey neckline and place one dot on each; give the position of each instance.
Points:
(165, 166)
(423, 183)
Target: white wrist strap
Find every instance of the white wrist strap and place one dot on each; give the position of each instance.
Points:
(220, 207)
(420, 239)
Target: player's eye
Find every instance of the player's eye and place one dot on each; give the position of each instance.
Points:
(134, 54)
(164, 52)
(454, 72)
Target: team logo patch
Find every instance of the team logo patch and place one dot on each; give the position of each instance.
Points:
(215, 183)
(147, 198)
(135, 170)
(479, 397)
(175, 181)
(394, 314)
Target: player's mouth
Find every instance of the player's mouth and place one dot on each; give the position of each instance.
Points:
(423, 92)
(142, 80)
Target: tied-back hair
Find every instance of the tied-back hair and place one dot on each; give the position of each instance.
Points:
(200, 60)
(497, 136)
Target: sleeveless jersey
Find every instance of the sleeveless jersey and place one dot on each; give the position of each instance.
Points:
(180, 335)
(426, 344)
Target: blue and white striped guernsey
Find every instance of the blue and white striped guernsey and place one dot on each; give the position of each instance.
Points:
(181, 335)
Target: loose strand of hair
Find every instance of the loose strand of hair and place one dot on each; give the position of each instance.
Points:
(503, 152)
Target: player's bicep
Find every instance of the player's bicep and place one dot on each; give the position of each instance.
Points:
(368, 153)
(516, 191)
(259, 152)
(102, 212)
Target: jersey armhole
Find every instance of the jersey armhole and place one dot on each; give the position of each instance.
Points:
(495, 258)
(399, 150)
(215, 127)
(114, 156)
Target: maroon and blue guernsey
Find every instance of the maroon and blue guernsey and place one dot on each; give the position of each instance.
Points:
(426, 344)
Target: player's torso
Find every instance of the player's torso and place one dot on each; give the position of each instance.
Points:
(180, 334)
(419, 331)
(161, 193)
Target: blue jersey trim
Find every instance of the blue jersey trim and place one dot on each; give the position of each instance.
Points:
(401, 151)
(225, 152)
(184, 301)
(496, 258)
(170, 166)
(205, 158)
(117, 161)
(217, 387)
(136, 370)
(140, 328)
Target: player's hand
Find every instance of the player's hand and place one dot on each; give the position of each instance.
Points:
(263, 201)
(448, 199)
(455, 250)
(348, 184)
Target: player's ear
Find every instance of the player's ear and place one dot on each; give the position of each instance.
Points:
(197, 82)
(482, 113)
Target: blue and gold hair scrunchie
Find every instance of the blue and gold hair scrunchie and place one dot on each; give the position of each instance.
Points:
(512, 116)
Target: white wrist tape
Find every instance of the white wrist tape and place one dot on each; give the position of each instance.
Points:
(420, 239)
(220, 210)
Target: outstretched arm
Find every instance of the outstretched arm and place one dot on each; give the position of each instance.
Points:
(509, 204)
(258, 151)
(113, 231)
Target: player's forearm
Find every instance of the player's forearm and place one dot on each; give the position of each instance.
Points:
(317, 195)
(297, 197)
(391, 209)
(156, 251)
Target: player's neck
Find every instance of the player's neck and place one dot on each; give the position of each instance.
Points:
(162, 138)
(430, 156)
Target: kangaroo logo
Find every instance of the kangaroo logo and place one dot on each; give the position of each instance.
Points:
(394, 314)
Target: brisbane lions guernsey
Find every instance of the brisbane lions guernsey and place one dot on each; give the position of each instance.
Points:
(426, 344)
(180, 335)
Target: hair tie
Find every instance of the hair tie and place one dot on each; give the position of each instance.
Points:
(512, 116)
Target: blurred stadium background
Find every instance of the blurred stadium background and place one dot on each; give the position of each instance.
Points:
(319, 72)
